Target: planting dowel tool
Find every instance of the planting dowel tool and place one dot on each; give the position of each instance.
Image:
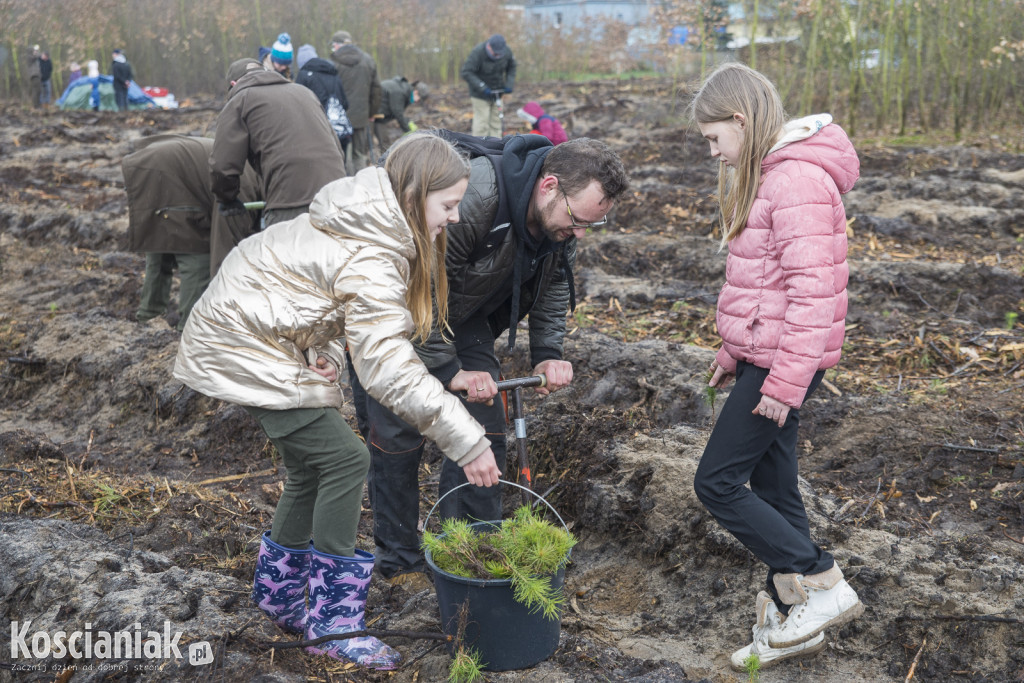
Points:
(519, 421)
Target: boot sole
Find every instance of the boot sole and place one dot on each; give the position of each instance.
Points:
(847, 616)
(806, 652)
(317, 650)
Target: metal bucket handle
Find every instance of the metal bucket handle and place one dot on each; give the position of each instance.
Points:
(500, 481)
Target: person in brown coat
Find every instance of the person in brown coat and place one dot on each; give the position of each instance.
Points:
(280, 127)
(358, 73)
(171, 218)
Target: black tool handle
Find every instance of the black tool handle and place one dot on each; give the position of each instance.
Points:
(540, 380)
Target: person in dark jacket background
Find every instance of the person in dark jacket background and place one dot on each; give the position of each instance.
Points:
(358, 73)
(320, 76)
(45, 74)
(490, 71)
(172, 218)
(396, 95)
(121, 71)
(548, 197)
(280, 127)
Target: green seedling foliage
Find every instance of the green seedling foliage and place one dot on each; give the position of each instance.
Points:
(525, 549)
(752, 665)
(710, 392)
(465, 667)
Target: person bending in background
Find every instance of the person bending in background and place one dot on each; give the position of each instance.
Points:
(781, 316)
(280, 127)
(397, 94)
(270, 334)
(542, 123)
(171, 217)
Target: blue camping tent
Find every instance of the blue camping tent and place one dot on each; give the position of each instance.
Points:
(98, 93)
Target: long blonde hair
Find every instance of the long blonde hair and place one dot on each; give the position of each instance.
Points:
(417, 165)
(730, 89)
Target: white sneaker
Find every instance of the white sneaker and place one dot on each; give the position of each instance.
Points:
(769, 619)
(827, 601)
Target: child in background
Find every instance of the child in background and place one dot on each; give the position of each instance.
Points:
(781, 317)
(542, 123)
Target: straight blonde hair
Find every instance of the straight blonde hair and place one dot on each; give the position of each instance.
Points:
(417, 165)
(730, 89)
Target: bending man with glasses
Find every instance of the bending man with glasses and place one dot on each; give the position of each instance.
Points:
(510, 255)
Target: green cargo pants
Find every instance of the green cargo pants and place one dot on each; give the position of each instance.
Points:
(326, 464)
(194, 270)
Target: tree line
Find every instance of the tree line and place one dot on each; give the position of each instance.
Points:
(888, 65)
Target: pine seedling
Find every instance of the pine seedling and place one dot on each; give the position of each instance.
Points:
(752, 665)
(525, 549)
(710, 392)
(465, 667)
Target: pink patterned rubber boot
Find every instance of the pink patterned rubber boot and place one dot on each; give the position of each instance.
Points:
(338, 587)
(279, 585)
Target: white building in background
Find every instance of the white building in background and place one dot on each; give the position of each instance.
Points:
(572, 14)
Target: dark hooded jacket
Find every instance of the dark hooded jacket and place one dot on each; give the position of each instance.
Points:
(280, 127)
(171, 208)
(396, 96)
(480, 71)
(45, 69)
(121, 72)
(518, 276)
(320, 76)
(358, 73)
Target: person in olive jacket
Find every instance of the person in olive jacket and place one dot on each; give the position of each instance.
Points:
(358, 73)
(398, 94)
(280, 127)
(510, 255)
(490, 71)
(172, 218)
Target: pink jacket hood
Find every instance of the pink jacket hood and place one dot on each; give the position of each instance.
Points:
(821, 143)
(783, 305)
(533, 112)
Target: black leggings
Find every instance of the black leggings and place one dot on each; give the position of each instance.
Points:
(769, 517)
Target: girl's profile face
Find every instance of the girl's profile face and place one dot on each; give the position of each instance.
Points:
(442, 207)
(725, 138)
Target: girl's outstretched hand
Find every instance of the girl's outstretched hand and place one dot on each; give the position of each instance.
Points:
(483, 471)
(720, 377)
(776, 411)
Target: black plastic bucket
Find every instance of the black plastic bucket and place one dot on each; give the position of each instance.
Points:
(504, 632)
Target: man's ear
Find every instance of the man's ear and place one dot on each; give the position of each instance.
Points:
(548, 183)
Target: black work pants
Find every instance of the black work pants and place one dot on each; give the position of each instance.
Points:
(395, 452)
(768, 518)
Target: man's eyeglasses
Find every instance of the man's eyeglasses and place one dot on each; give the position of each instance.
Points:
(595, 224)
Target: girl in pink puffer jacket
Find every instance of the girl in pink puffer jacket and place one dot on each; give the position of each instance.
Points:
(781, 316)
